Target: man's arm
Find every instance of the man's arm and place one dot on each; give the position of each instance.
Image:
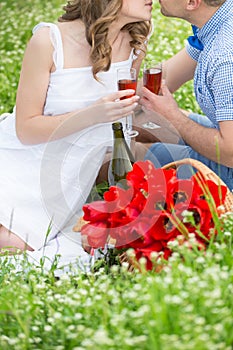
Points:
(214, 144)
(178, 70)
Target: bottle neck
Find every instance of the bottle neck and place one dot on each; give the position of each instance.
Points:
(118, 134)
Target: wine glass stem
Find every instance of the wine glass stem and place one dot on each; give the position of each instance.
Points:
(128, 126)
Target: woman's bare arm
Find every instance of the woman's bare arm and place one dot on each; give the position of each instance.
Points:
(32, 126)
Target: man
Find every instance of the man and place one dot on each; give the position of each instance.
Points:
(208, 59)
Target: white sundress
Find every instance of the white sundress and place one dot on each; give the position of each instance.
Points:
(43, 187)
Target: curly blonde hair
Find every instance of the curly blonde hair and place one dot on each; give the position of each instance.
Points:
(97, 16)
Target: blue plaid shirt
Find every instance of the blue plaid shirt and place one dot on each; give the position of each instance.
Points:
(213, 78)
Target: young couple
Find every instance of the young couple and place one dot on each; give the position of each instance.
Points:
(53, 144)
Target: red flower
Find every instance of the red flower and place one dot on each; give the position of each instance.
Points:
(205, 188)
(149, 213)
(134, 235)
(96, 211)
(164, 228)
(147, 253)
(180, 191)
(97, 234)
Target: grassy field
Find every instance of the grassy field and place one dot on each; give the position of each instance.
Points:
(188, 306)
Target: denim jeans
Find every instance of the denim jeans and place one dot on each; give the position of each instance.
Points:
(164, 153)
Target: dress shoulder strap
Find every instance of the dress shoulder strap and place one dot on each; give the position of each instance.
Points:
(56, 39)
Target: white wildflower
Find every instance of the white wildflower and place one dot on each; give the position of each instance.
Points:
(227, 234)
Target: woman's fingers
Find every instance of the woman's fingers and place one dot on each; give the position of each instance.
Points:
(127, 102)
(125, 94)
(118, 95)
(124, 107)
(86, 246)
(116, 105)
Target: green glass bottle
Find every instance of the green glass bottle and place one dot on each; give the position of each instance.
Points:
(122, 158)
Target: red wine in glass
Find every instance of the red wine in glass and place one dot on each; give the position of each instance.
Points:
(127, 79)
(152, 79)
(124, 84)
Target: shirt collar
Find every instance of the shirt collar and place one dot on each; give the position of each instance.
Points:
(207, 32)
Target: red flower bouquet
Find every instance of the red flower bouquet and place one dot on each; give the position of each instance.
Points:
(150, 212)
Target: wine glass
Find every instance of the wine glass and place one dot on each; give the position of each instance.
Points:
(152, 77)
(127, 79)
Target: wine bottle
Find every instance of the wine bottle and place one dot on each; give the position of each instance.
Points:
(122, 158)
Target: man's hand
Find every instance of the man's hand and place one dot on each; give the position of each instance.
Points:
(163, 104)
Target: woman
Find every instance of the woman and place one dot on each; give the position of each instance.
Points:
(53, 145)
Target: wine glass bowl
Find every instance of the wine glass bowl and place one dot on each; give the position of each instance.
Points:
(152, 77)
(124, 84)
(127, 79)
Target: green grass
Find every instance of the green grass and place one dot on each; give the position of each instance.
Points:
(17, 21)
(188, 306)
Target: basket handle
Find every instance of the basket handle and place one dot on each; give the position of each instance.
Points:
(203, 169)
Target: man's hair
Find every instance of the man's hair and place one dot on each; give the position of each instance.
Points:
(97, 16)
(214, 3)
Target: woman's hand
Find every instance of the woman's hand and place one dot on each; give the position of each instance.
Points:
(85, 244)
(114, 106)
